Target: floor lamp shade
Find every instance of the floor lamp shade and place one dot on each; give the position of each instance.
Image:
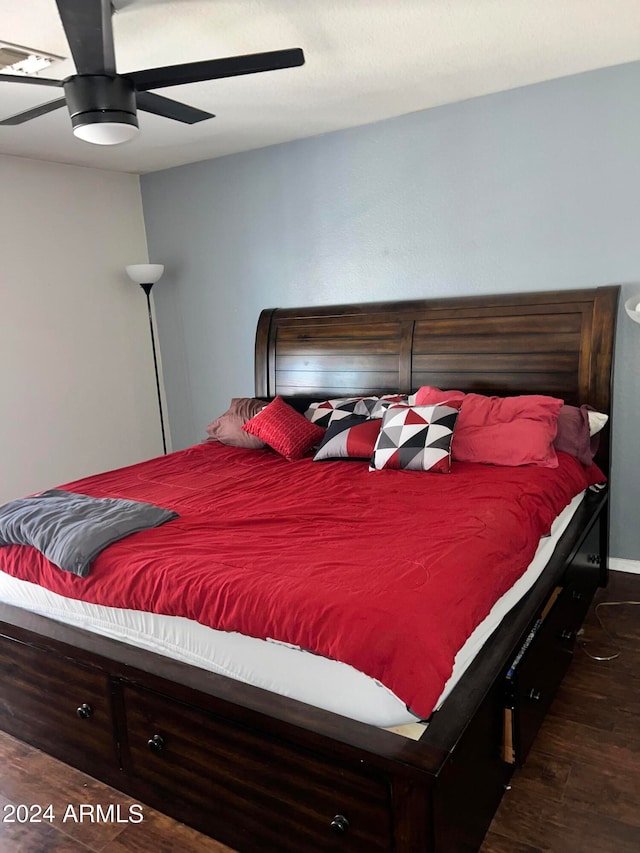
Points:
(145, 273)
(146, 276)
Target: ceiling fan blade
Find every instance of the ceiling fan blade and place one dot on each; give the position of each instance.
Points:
(36, 81)
(87, 25)
(160, 106)
(42, 110)
(214, 69)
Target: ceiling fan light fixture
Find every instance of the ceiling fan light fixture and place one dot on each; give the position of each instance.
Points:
(102, 108)
(105, 128)
(102, 103)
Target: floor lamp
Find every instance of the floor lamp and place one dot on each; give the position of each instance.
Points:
(146, 276)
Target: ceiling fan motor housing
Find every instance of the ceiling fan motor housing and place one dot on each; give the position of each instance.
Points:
(103, 104)
(96, 98)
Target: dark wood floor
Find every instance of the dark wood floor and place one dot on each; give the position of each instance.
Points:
(579, 793)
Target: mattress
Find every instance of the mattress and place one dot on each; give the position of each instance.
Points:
(279, 667)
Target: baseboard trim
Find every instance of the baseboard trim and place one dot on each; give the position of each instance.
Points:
(617, 564)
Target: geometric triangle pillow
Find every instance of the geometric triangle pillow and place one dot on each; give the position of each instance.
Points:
(416, 438)
(328, 411)
(381, 404)
(349, 438)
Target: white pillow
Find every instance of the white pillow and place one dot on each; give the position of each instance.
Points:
(597, 420)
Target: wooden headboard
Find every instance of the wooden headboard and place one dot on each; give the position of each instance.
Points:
(558, 343)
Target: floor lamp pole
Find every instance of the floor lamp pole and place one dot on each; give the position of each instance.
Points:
(147, 289)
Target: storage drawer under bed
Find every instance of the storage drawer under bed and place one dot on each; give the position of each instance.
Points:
(541, 663)
(252, 792)
(44, 694)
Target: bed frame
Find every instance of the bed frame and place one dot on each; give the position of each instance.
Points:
(261, 772)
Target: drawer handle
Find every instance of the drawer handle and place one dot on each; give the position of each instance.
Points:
(534, 695)
(340, 824)
(84, 711)
(566, 635)
(156, 743)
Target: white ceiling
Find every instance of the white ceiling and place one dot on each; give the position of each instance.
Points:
(366, 60)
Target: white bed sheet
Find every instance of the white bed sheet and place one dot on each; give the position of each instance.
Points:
(272, 665)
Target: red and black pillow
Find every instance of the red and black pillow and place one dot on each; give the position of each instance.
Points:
(349, 438)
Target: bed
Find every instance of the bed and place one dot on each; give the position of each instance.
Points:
(260, 771)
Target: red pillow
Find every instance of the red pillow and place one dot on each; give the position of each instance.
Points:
(430, 396)
(501, 430)
(285, 430)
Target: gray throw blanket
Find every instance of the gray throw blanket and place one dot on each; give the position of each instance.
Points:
(71, 529)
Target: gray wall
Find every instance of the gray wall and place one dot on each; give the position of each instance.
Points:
(533, 189)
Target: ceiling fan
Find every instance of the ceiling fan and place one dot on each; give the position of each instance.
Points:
(103, 103)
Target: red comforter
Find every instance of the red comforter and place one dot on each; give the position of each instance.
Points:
(388, 571)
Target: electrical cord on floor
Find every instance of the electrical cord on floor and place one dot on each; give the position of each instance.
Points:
(584, 643)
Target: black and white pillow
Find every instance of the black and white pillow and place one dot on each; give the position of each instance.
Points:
(381, 404)
(328, 411)
(416, 438)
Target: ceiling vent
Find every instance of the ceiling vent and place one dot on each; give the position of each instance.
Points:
(24, 60)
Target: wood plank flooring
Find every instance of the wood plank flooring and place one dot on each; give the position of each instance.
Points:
(579, 792)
